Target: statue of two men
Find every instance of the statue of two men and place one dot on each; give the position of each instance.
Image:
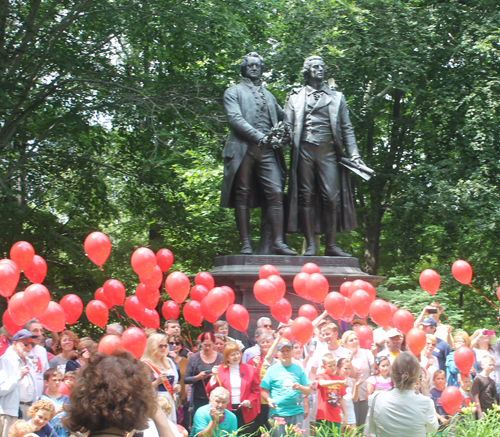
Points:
(319, 196)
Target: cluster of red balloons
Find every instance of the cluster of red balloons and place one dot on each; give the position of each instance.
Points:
(34, 301)
(133, 340)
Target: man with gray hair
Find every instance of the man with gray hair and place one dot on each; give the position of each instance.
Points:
(319, 196)
(114, 329)
(255, 349)
(213, 420)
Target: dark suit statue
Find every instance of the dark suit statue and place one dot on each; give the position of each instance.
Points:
(319, 195)
(254, 172)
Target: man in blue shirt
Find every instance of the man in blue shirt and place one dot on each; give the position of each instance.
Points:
(283, 385)
(213, 420)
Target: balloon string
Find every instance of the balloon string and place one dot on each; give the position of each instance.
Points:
(483, 296)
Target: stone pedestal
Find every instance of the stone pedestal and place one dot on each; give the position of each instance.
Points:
(240, 272)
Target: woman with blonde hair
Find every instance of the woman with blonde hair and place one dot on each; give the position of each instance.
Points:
(401, 411)
(243, 384)
(460, 339)
(164, 373)
(41, 412)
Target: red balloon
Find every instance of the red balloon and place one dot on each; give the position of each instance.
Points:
(99, 295)
(380, 312)
(198, 292)
(149, 298)
(19, 313)
(114, 291)
(37, 270)
(365, 336)
(9, 324)
(394, 308)
(9, 278)
(204, 278)
(317, 287)
(279, 283)
(9, 262)
(177, 285)
(344, 288)
(133, 308)
(230, 293)
(415, 339)
(308, 311)
(134, 340)
(22, 253)
(310, 268)
(53, 319)
(63, 389)
(150, 319)
(165, 259)
(361, 301)
(282, 310)
(97, 247)
(451, 399)
(498, 293)
(154, 282)
(299, 284)
(348, 312)
(464, 359)
(207, 311)
(143, 262)
(268, 270)
(36, 299)
(266, 292)
(430, 281)
(218, 300)
(403, 320)
(72, 306)
(335, 304)
(170, 310)
(359, 284)
(97, 312)
(109, 344)
(461, 270)
(302, 329)
(192, 313)
(237, 316)
(287, 333)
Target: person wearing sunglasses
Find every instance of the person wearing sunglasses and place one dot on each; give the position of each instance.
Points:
(17, 386)
(199, 369)
(86, 349)
(164, 374)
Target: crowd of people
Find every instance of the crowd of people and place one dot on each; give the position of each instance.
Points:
(216, 386)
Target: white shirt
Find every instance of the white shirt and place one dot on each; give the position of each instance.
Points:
(38, 363)
(235, 381)
(320, 352)
(401, 413)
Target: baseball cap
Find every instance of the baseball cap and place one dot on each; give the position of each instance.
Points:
(429, 321)
(23, 334)
(393, 333)
(285, 344)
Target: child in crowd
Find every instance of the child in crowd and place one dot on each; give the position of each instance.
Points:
(331, 392)
(436, 392)
(21, 428)
(344, 368)
(53, 378)
(465, 385)
(69, 380)
(381, 381)
(41, 412)
(483, 388)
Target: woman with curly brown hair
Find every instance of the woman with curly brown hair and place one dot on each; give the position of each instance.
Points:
(41, 412)
(112, 396)
(65, 348)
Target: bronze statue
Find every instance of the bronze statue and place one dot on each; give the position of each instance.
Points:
(254, 169)
(319, 196)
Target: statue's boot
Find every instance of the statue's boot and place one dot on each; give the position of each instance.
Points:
(242, 216)
(265, 246)
(331, 227)
(308, 229)
(276, 219)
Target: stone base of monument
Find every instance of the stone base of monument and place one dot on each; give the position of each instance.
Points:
(240, 272)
